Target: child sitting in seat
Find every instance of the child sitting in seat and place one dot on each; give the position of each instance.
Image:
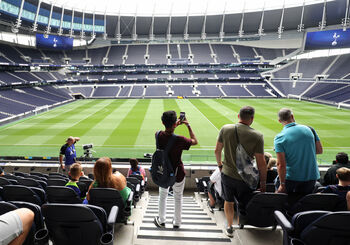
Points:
(135, 169)
(75, 172)
(343, 188)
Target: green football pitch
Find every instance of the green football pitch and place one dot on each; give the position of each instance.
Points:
(125, 128)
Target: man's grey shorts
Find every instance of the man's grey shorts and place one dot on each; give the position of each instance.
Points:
(10, 227)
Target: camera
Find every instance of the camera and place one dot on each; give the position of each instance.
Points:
(182, 116)
(88, 146)
(88, 150)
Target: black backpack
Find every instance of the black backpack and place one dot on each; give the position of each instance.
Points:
(162, 171)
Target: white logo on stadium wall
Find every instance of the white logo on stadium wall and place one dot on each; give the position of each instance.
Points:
(54, 42)
(335, 37)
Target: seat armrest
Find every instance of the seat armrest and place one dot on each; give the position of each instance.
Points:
(138, 187)
(145, 179)
(197, 181)
(204, 184)
(130, 198)
(142, 183)
(112, 217)
(283, 221)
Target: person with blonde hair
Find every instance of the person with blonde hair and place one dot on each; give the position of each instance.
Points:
(105, 178)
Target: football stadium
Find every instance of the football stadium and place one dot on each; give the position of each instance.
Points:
(82, 80)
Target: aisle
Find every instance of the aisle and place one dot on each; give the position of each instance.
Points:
(197, 226)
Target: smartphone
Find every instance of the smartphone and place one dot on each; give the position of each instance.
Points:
(182, 116)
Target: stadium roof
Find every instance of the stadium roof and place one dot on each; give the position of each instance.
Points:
(177, 7)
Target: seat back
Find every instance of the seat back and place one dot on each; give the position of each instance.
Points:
(29, 182)
(139, 177)
(6, 207)
(301, 220)
(13, 177)
(38, 218)
(106, 198)
(56, 182)
(71, 224)
(21, 174)
(62, 194)
(260, 209)
(4, 181)
(324, 201)
(200, 185)
(329, 229)
(21, 193)
(39, 174)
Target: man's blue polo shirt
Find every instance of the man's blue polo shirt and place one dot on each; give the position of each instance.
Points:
(69, 153)
(298, 144)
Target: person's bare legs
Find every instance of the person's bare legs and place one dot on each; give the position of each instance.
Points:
(27, 217)
(229, 212)
(348, 200)
(211, 200)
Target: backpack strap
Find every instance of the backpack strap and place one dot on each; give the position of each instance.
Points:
(236, 133)
(157, 141)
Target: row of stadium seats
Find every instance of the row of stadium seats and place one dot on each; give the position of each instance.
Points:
(46, 196)
(311, 219)
(143, 54)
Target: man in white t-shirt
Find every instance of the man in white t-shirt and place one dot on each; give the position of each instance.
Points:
(215, 189)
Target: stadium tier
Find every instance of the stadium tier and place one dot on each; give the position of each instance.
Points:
(106, 71)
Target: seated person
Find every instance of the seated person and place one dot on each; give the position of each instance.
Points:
(104, 178)
(15, 226)
(343, 188)
(215, 189)
(75, 172)
(271, 173)
(135, 168)
(342, 160)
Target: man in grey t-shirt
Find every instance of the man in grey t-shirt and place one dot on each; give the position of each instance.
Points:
(232, 183)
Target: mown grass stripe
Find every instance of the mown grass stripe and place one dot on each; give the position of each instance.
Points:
(127, 131)
(151, 123)
(87, 123)
(41, 126)
(212, 115)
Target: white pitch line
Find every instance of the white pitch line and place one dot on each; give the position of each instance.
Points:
(204, 116)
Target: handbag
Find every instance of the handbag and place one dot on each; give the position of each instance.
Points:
(246, 165)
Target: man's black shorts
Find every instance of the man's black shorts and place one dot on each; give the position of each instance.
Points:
(232, 188)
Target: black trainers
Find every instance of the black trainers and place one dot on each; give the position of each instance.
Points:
(157, 223)
(229, 231)
(211, 209)
(175, 226)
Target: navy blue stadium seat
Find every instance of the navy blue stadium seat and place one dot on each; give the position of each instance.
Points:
(109, 197)
(21, 174)
(24, 193)
(39, 174)
(4, 181)
(202, 184)
(61, 194)
(32, 183)
(71, 224)
(322, 201)
(315, 228)
(259, 210)
(38, 219)
(56, 182)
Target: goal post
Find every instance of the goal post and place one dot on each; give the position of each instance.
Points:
(292, 96)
